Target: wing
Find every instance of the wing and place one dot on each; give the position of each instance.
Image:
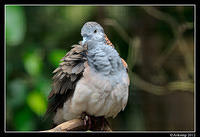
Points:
(125, 64)
(65, 77)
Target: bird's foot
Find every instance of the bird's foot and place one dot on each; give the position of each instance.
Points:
(87, 120)
(93, 123)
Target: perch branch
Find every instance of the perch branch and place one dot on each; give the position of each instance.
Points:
(77, 125)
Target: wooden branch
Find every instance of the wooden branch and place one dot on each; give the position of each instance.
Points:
(78, 125)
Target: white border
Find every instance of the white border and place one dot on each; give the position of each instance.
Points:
(181, 132)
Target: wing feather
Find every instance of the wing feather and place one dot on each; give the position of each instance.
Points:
(65, 77)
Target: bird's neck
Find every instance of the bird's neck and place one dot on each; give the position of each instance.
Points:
(103, 41)
(104, 59)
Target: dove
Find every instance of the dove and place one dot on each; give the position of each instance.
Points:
(92, 79)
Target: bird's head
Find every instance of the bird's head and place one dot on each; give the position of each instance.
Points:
(92, 31)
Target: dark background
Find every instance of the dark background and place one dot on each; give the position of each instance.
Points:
(156, 42)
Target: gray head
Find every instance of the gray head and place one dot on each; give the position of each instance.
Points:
(92, 31)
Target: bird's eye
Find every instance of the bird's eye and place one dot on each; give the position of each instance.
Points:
(95, 31)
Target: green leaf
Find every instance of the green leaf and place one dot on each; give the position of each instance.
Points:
(17, 89)
(55, 56)
(33, 63)
(36, 101)
(23, 120)
(15, 25)
(44, 85)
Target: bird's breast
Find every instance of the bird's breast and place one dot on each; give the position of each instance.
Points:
(96, 94)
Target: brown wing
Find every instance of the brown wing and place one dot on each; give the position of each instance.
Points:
(70, 70)
(125, 64)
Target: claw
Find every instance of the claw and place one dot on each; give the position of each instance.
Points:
(85, 119)
(90, 122)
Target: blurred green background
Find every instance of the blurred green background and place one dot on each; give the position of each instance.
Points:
(156, 42)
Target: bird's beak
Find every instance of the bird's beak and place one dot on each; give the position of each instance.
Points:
(84, 40)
